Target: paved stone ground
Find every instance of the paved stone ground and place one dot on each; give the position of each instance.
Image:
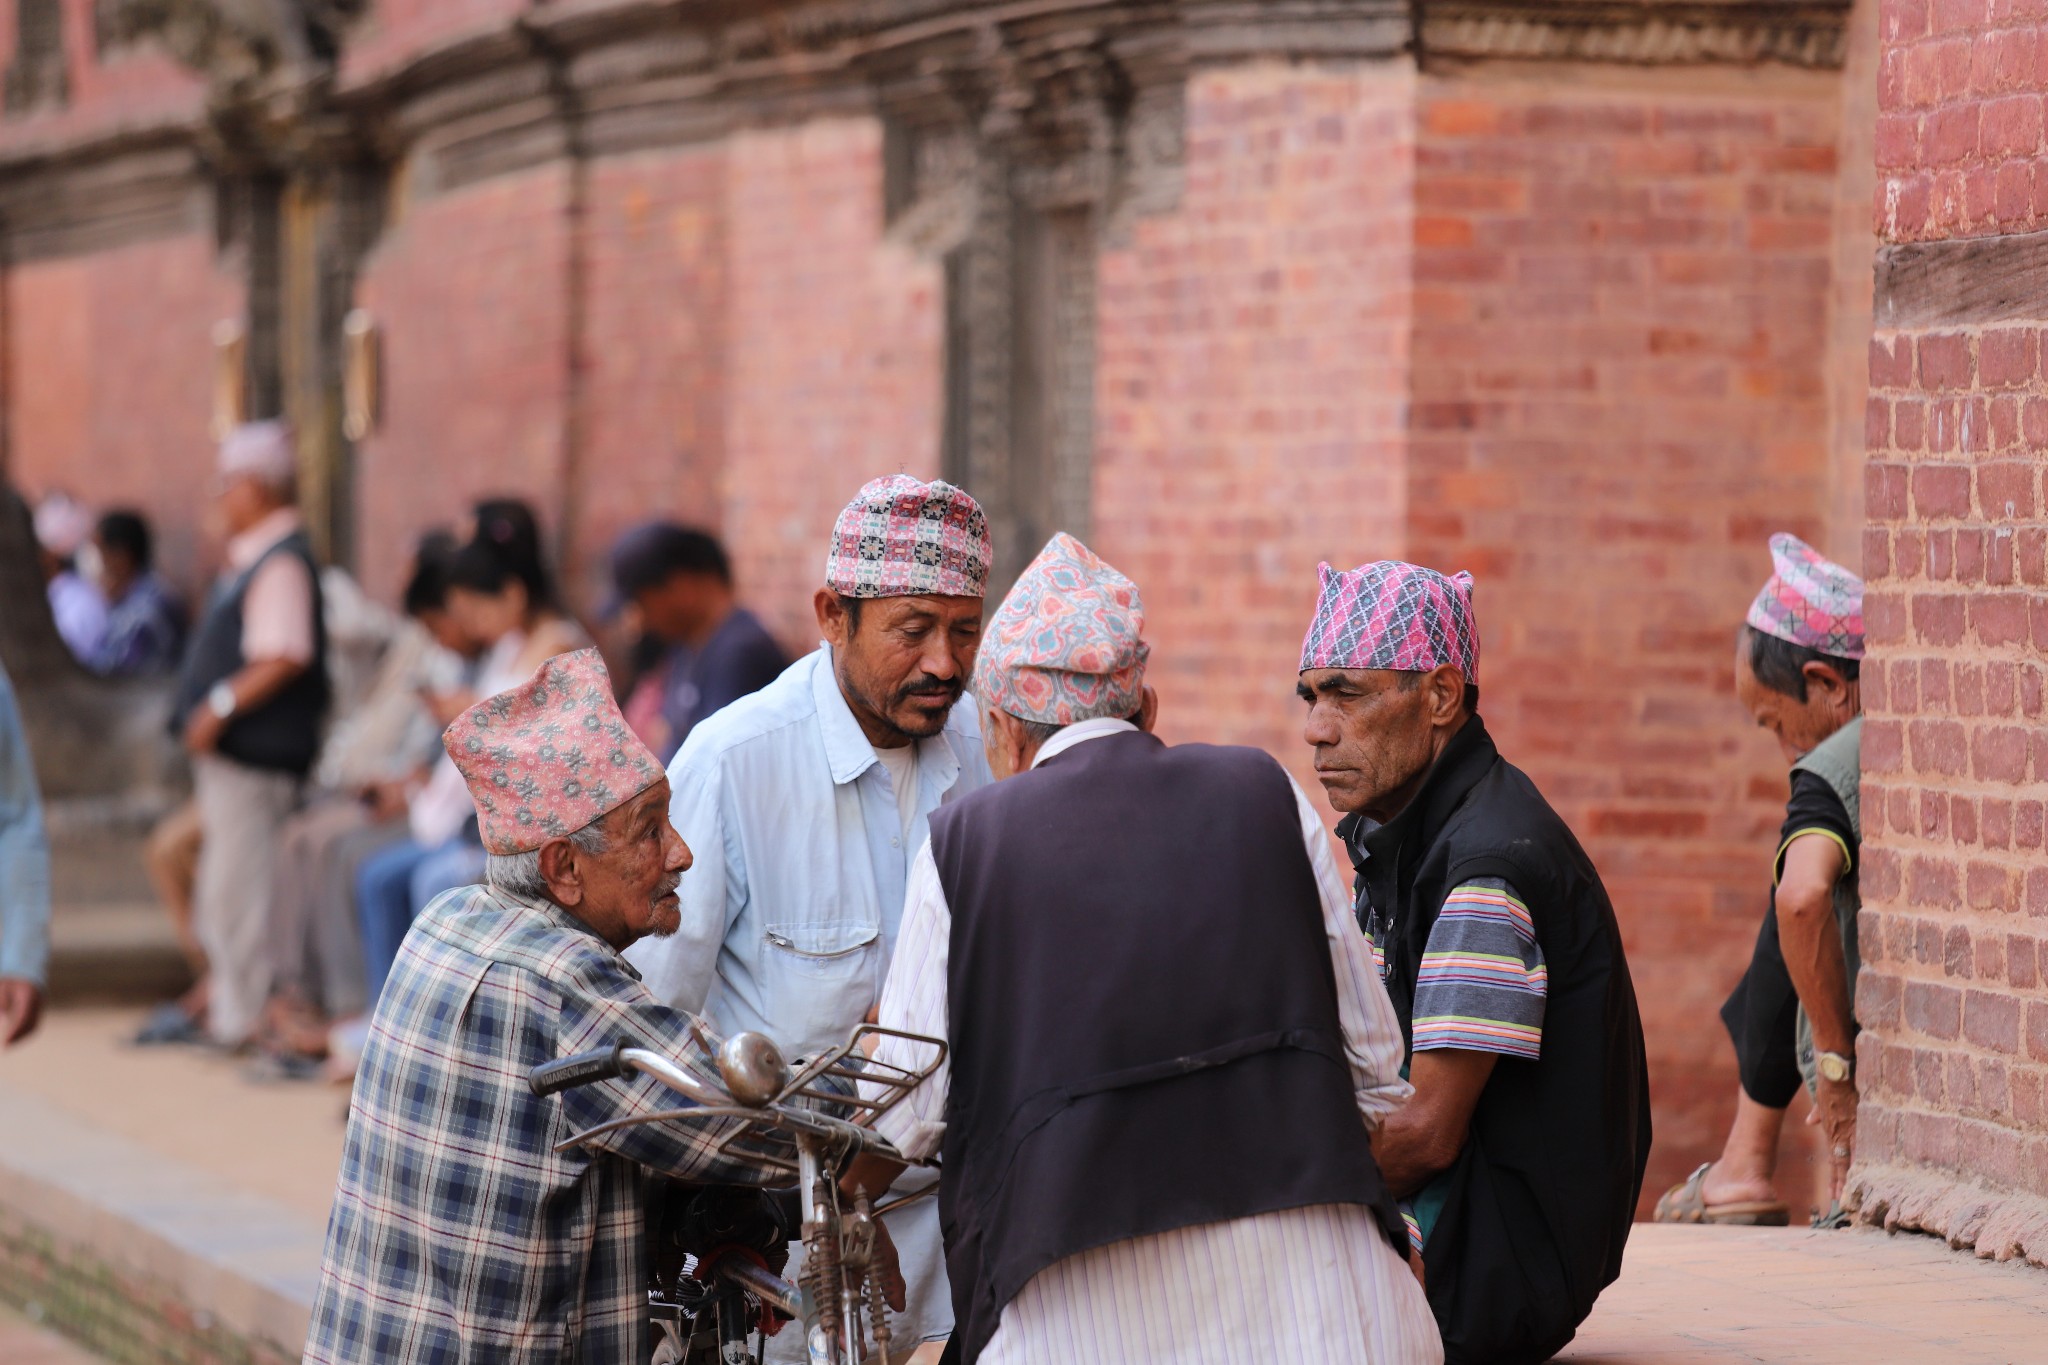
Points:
(1688, 1296)
(280, 1141)
(1715, 1296)
(24, 1343)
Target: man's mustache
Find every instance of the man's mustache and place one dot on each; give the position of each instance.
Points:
(669, 884)
(933, 687)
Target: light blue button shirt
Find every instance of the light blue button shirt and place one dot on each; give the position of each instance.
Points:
(791, 909)
(24, 852)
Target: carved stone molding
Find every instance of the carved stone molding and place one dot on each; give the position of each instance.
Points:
(1809, 33)
(143, 184)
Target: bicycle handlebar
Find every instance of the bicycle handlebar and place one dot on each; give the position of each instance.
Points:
(585, 1068)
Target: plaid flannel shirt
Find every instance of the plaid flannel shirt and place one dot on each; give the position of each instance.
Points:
(458, 1233)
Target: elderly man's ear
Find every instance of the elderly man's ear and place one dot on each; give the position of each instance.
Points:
(1148, 711)
(562, 873)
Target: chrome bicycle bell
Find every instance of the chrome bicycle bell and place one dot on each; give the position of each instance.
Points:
(752, 1068)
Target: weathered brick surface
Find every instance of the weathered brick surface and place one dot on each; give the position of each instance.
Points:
(1621, 321)
(1253, 369)
(1956, 768)
(1960, 148)
(834, 366)
(110, 383)
(653, 413)
(468, 289)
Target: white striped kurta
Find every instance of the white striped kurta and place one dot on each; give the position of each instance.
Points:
(1317, 1284)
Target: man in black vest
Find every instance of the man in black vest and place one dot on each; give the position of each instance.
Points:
(1519, 1160)
(1169, 1044)
(250, 701)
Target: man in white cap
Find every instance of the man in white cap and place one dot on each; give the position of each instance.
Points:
(1169, 1045)
(804, 801)
(249, 704)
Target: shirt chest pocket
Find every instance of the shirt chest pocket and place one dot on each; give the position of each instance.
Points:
(819, 980)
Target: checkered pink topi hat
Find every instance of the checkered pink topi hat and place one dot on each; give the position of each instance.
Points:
(1393, 615)
(1810, 600)
(1068, 643)
(902, 537)
(549, 756)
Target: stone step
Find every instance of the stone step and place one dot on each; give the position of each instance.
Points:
(114, 951)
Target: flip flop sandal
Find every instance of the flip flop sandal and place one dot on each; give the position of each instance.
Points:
(1686, 1202)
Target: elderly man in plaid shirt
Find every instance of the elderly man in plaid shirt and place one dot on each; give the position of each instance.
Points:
(458, 1232)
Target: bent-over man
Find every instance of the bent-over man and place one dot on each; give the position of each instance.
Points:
(1169, 1044)
(458, 1232)
(806, 799)
(1798, 658)
(1522, 1153)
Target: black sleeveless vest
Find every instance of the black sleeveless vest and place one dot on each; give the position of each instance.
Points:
(1142, 1012)
(1541, 1197)
(283, 734)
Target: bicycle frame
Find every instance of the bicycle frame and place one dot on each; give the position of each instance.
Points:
(837, 1303)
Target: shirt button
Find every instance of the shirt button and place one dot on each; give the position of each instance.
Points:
(895, 841)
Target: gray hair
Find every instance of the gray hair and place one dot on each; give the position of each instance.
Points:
(518, 874)
(1038, 731)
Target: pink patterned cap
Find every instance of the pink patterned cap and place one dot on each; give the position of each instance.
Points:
(1396, 616)
(1068, 643)
(902, 537)
(1810, 600)
(549, 756)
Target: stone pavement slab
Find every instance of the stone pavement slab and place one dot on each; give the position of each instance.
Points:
(1715, 1296)
(182, 1173)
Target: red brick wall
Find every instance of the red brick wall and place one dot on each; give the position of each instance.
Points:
(1253, 367)
(834, 355)
(1959, 135)
(110, 383)
(468, 290)
(1622, 290)
(653, 411)
(1955, 882)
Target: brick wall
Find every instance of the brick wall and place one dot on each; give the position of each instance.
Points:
(1622, 290)
(110, 383)
(653, 412)
(1956, 752)
(1252, 374)
(834, 346)
(468, 290)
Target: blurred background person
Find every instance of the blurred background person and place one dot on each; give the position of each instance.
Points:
(500, 598)
(145, 623)
(63, 530)
(251, 698)
(373, 760)
(704, 649)
(24, 880)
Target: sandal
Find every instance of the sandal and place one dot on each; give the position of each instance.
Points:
(1686, 1202)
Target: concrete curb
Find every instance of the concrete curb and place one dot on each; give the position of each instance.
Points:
(142, 1257)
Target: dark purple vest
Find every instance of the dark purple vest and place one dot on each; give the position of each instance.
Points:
(1142, 1012)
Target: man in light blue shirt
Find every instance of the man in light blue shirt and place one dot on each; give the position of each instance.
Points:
(804, 803)
(24, 880)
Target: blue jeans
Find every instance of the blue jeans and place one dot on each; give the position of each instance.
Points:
(397, 882)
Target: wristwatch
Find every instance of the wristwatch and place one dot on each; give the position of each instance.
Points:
(1834, 1067)
(220, 699)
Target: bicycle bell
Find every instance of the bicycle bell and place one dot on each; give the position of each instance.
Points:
(752, 1068)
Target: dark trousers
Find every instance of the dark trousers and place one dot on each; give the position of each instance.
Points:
(1762, 1015)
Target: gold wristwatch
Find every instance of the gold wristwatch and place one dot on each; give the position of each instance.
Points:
(1834, 1067)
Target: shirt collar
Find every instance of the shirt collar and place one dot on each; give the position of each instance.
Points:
(1080, 732)
(847, 750)
(248, 547)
